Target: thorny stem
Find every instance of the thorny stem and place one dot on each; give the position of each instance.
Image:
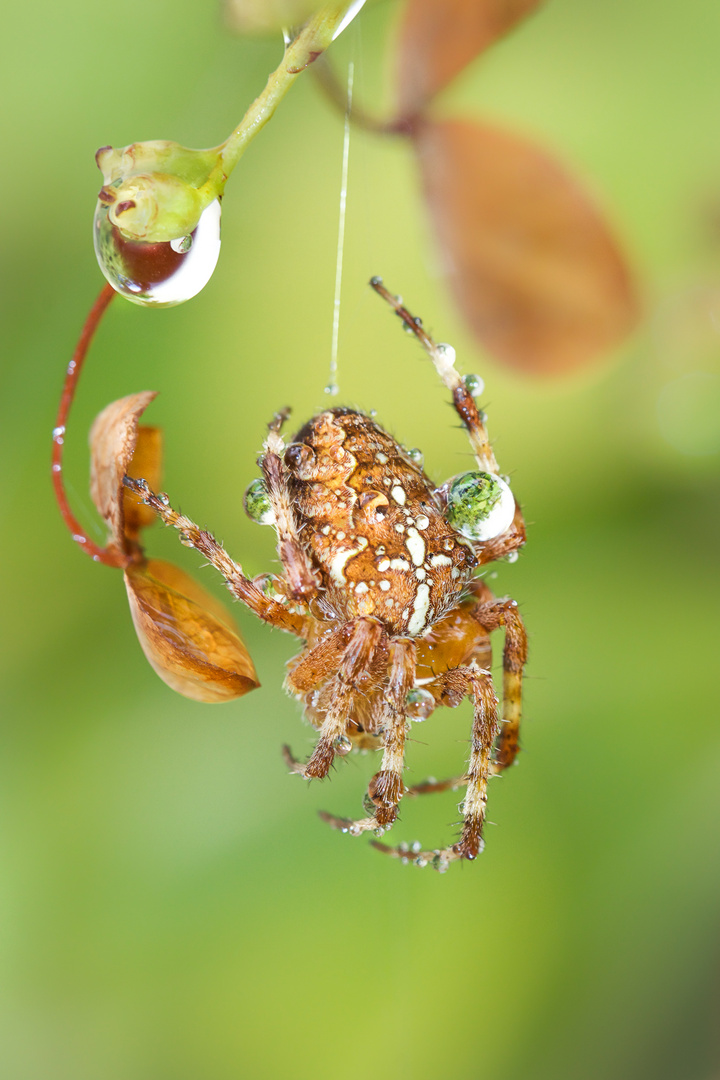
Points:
(103, 555)
(311, 42)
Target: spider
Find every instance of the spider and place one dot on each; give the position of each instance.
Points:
(378, 583)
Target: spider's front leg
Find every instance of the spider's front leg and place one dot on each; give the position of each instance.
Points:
(242, 587)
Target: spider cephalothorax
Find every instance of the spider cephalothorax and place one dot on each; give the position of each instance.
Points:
(378, 582)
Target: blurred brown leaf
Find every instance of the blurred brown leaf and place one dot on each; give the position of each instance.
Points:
(113, 438)
(532, 262)
(186, 634)
(439, 37)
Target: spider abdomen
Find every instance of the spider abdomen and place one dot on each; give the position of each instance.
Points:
(370, 521)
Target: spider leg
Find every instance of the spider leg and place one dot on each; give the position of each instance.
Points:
(301, 578)
(386, 787)
(432, 786)
(492, 616)
(350, 661)
(242, 587)
(456, 684)
(443, 357)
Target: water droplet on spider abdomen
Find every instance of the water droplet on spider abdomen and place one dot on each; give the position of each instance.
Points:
(159, 274)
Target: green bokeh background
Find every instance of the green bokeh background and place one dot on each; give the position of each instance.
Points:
(172, 908)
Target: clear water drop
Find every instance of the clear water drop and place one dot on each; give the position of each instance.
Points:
(257, 503)
(332, 389)
(342, 745)
(474, 384)
(419, 704)
(182, 245)
(159, 274)
(416, 456)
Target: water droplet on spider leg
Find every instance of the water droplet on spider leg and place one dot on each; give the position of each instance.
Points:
(474, 385)
(342, 745)
(513, 556)
(257, 503)
(446, 353)
(158, 274)
(419, 704)
(332, 389)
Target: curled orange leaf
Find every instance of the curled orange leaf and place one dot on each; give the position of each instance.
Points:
(186, 634)
(531, 260)
(145, 463)
(438, 38)
(113, 439)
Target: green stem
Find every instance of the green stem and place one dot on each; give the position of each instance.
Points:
(311, 42)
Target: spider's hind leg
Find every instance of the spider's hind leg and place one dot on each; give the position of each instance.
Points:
(340, 662)
(386, 787)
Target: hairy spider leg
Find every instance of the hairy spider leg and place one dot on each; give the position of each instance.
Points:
(242, 587)
(301, 578)
(386, 787)
(350, 654)
(443, 358)
(492, 616)
(456, 684)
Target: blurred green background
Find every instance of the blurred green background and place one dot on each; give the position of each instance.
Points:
(172, 908)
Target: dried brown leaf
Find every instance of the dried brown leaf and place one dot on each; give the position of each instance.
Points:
(146, 463)
(531, 260)
(438, 38)
(186, 634)
(113, 438)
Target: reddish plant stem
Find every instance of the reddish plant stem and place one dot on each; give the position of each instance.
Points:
(336, 93)
(99, 554)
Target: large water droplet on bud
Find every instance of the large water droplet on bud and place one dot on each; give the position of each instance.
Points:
(158, 274)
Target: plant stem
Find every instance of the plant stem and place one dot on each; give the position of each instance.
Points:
(311, 42)
(107, 556)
